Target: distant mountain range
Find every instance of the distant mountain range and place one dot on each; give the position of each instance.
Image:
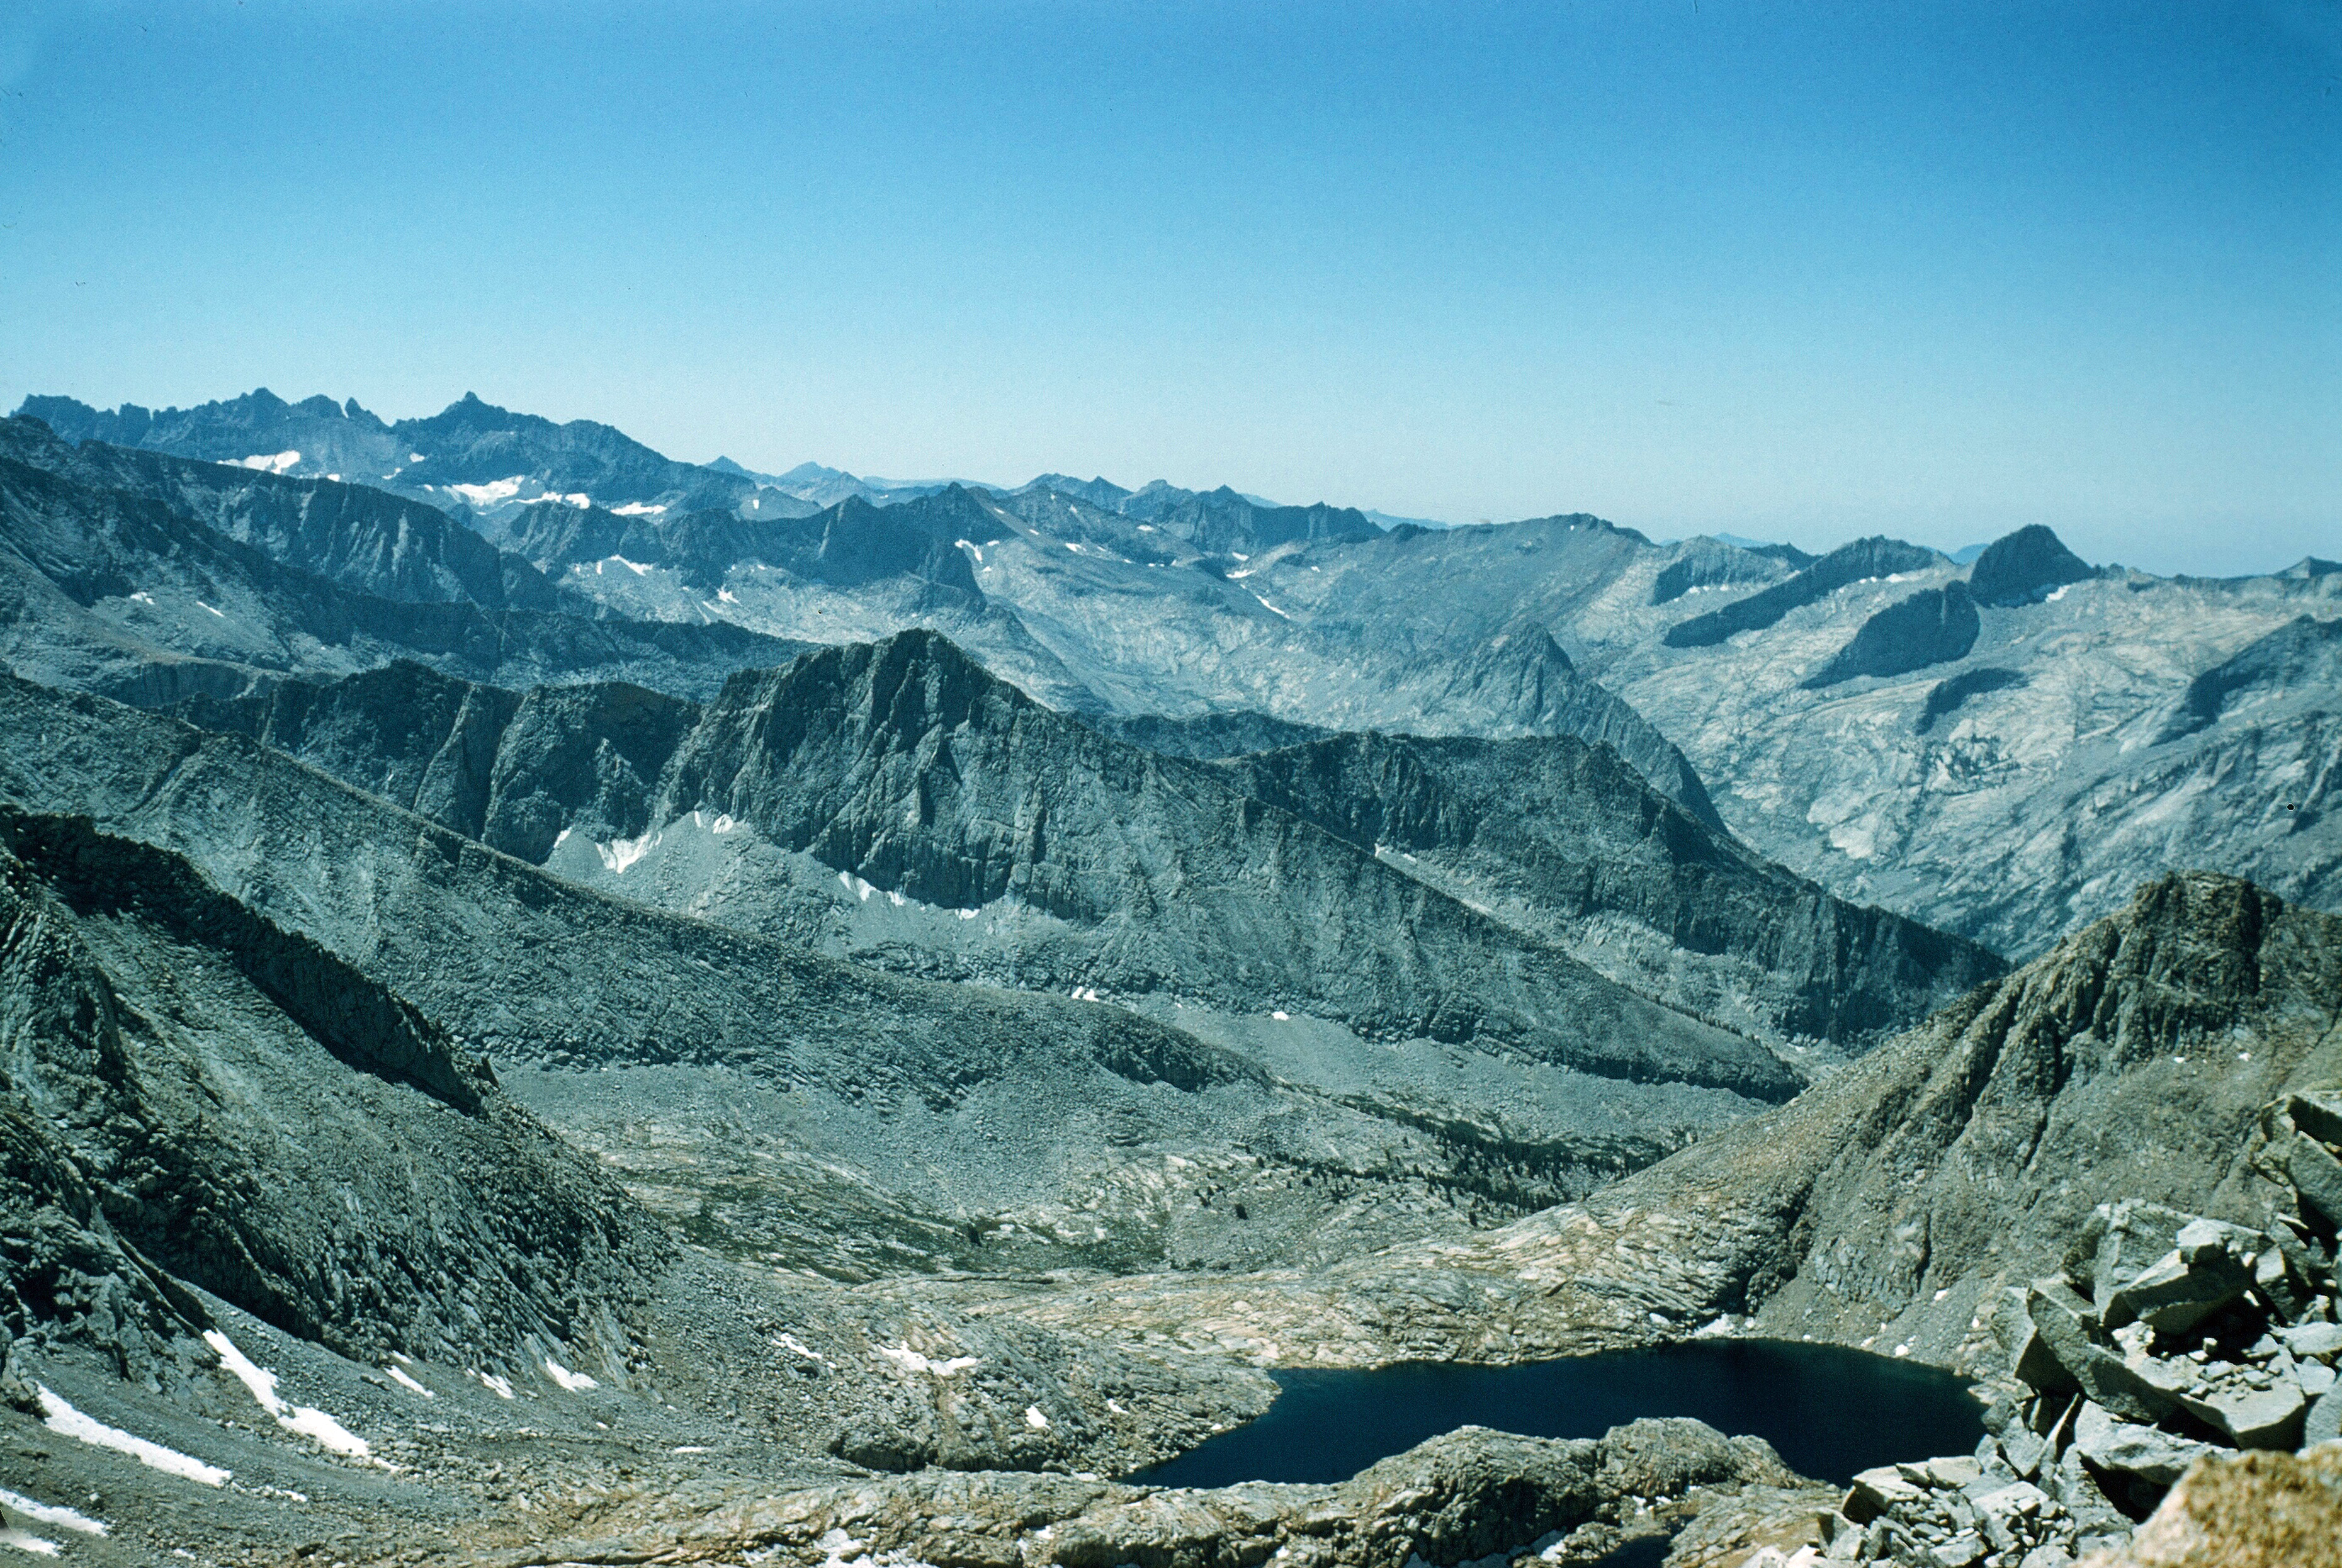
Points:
(554, 995)
(1897, 724)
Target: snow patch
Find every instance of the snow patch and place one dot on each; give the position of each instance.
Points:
(790, 1342)
(1034, 1419)
(577, 498)
(399, 1376)
(637, 509)
(974, 550)
(500, 1387)
(490, 494)
(1271, 608)
(66, 1421)
(142, 597)
(724, 596)
(621, 852)
(314, 1424)
(724, 824)
(635, 567)
(269, 463)
(201, 605)
(909, 1359)
(23, 1541)
(574, 1382)
(43, 1514)
(1281, 1017)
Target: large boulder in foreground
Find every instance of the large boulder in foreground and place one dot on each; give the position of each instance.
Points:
(2246, 1510)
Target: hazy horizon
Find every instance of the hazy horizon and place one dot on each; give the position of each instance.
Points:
(1937, 273)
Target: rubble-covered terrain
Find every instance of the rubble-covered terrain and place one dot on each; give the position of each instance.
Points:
(2168, 1347)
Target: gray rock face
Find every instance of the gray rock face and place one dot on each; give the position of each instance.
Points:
(1947, 697)
(2010, 807)
(795, 1110)
(1933, 627)
(907, 765)
(165, 1040)
(1556, 837)
(513, 771)
(1866, 558)
(2304, 652)
(2023, 567)
(1206, 736)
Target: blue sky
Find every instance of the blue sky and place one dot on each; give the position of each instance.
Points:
(1803, 272)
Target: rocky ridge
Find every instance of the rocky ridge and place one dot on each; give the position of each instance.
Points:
(114, 578)
(1618, 877)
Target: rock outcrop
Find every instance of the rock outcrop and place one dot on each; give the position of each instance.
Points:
(1865, 558)
(163, 1042)
(1933, 627)
(1472, 1495)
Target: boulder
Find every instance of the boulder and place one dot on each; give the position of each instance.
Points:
(2317, 1177)
(2025, 1451)
(2204, 1272)
(2313, 1341)
(2038, 1366)
(1880, 1491)
(2254, 1418)
(2323, 1421)
(2318, 1112)
(1961, 1550)
(2244, 1511)
(2064, 1321)
(2116, 1242)
(2130, 1448)
(2279, 1284)
(2020, 1499)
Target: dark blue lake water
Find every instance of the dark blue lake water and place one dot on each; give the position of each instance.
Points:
(1829, 1411)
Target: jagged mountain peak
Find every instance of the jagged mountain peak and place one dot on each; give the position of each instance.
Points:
(892, 692)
